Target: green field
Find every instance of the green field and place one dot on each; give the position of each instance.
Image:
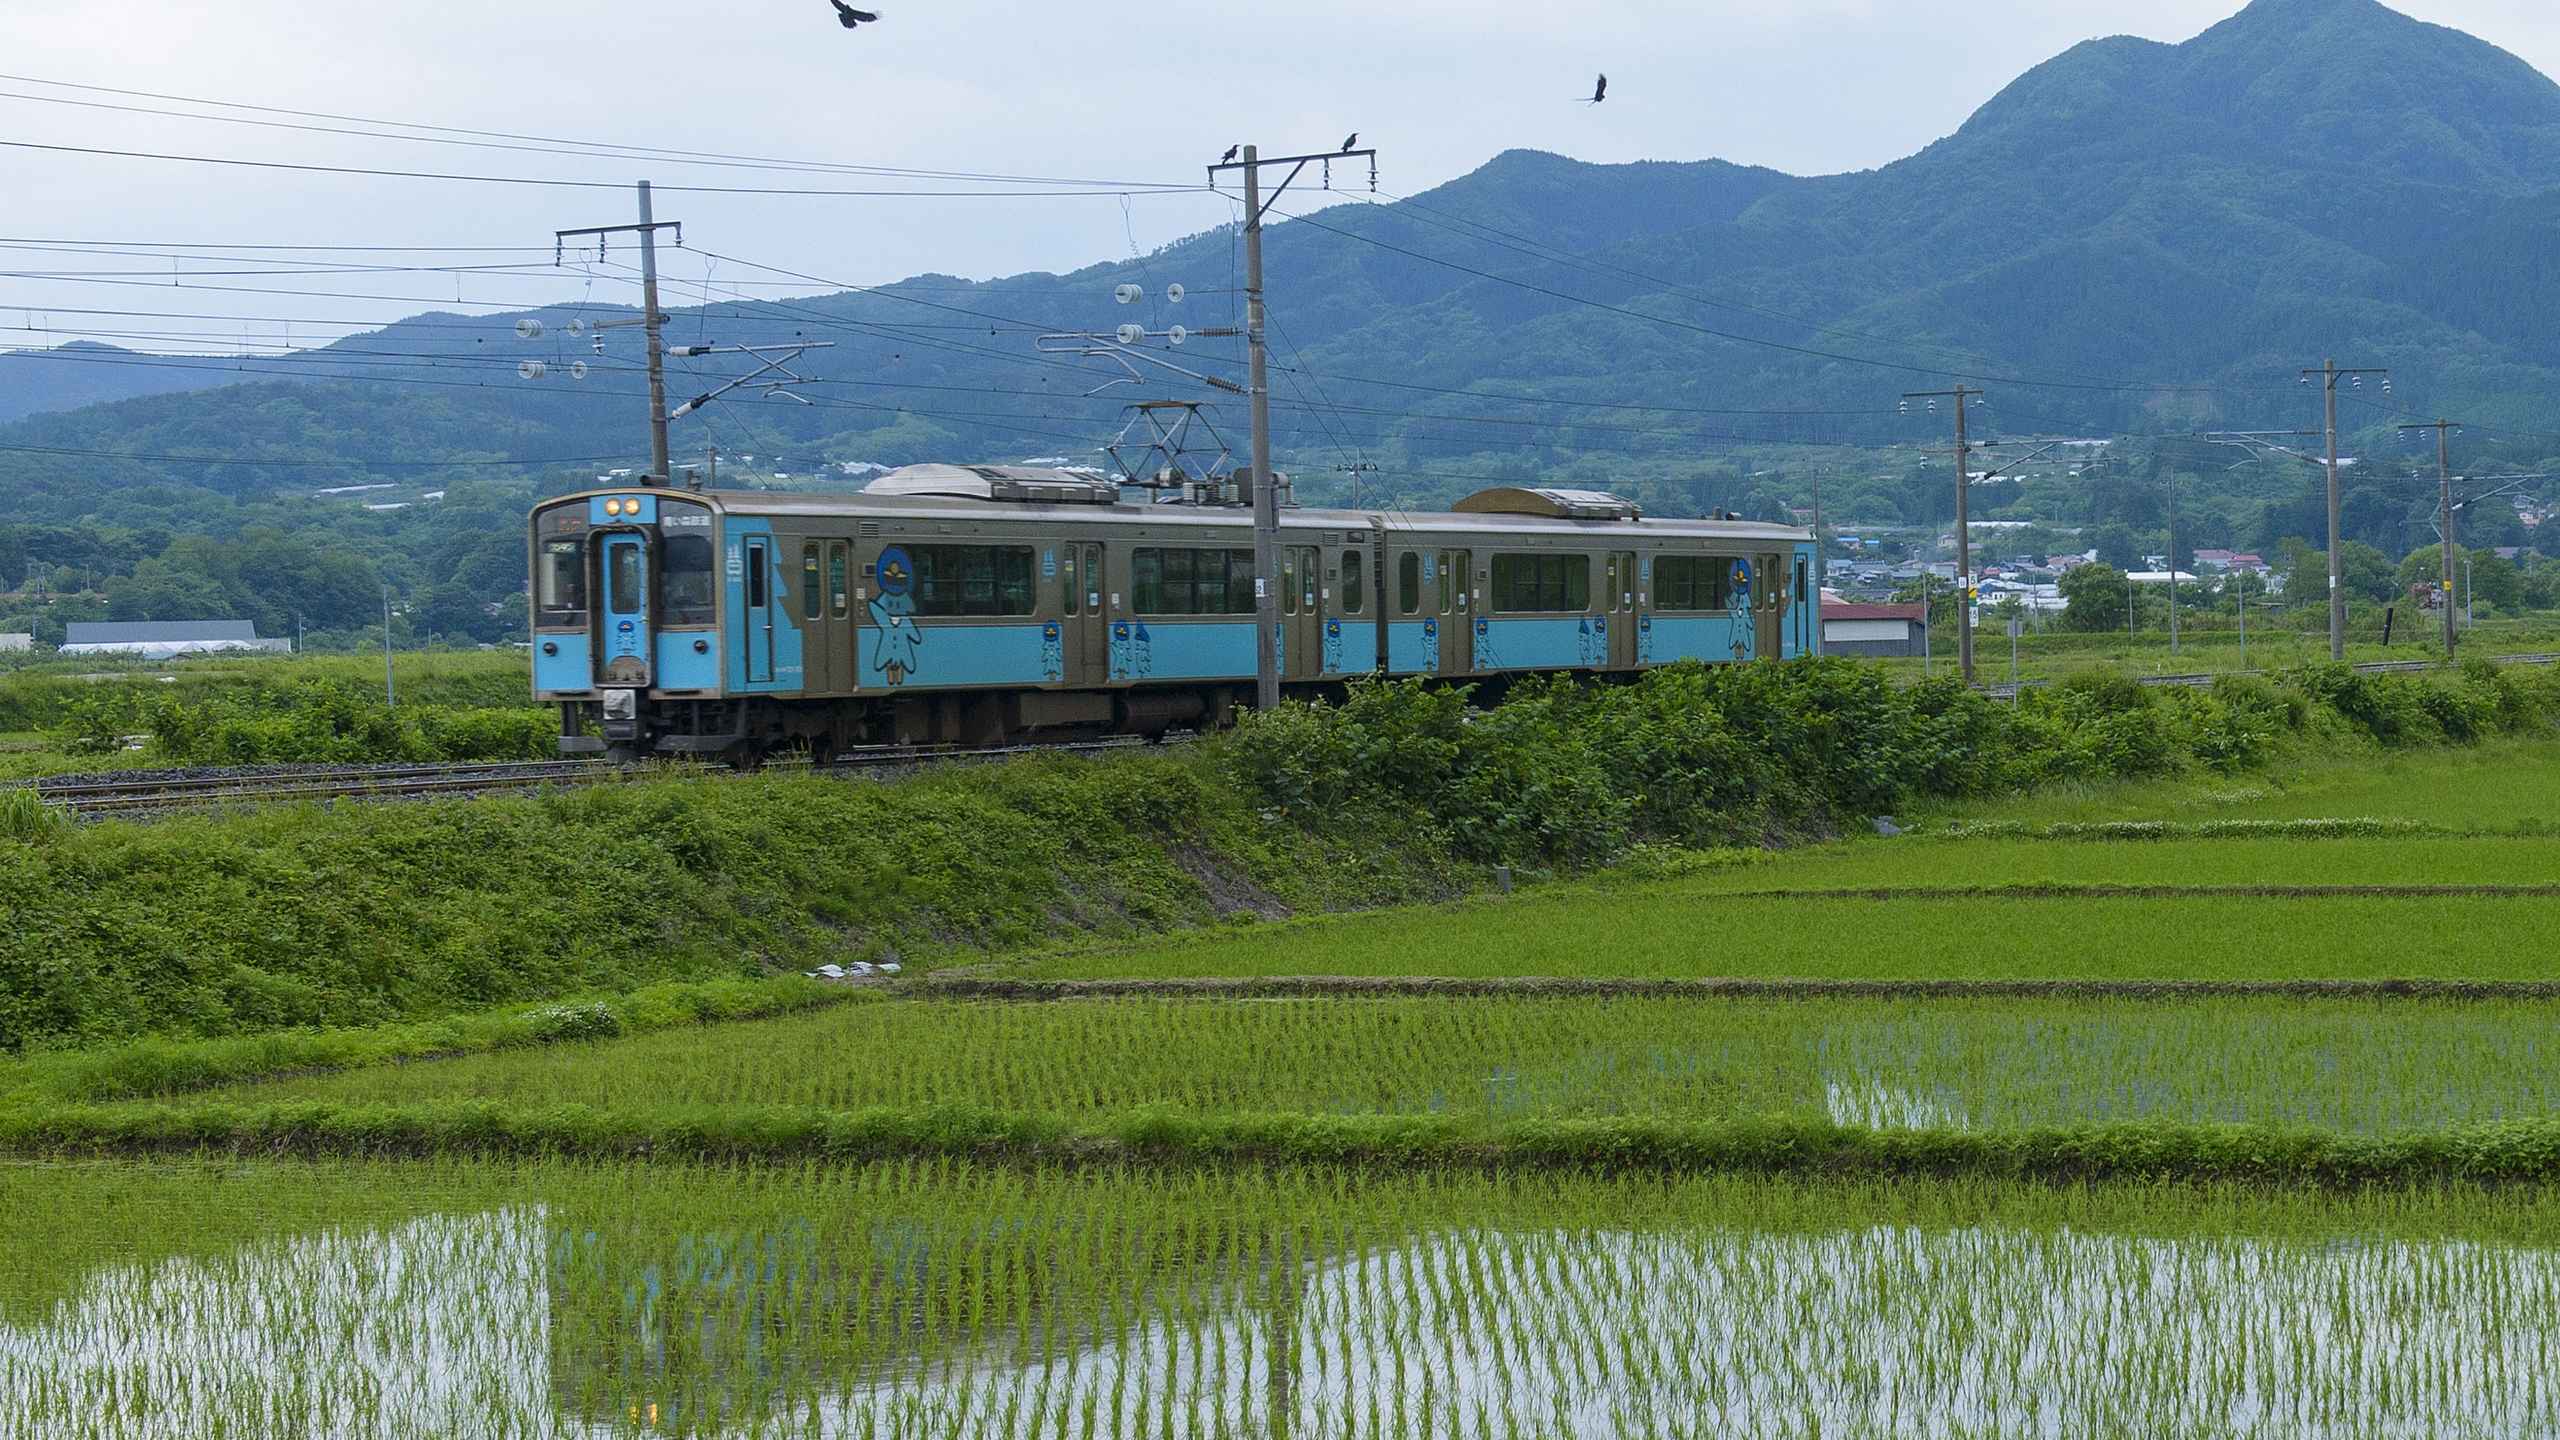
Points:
(1515, 1213)
(2360, 1067)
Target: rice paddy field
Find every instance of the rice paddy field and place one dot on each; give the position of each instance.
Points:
(1873, 1206)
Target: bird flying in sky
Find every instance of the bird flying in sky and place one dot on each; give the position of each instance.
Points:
(1600, 91)
(1354, 140)
(849, 17)
(1230, 156)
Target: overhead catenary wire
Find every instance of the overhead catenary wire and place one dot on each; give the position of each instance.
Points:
(600, 149)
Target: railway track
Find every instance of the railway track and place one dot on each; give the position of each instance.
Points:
(2201, 680)
(153, 793)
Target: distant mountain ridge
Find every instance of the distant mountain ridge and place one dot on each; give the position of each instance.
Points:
(2132, 235)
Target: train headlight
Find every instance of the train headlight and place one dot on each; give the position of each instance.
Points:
(622, 704)
(613, 506)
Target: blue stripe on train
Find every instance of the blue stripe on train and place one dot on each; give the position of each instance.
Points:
(1703, 637)
(1567, 644)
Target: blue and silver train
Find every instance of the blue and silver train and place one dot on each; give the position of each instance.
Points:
(973, 605)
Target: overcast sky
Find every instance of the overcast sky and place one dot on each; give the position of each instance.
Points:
(1112, 90)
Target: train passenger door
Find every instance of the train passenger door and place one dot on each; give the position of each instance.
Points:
(1084, 597)
(1302, 607)
(756, 616)
(1457, 612)
(627, 642)
(1620, 606)
(1772, 594)
(817, 639)
(1807, 606)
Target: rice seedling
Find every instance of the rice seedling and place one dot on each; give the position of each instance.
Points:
(943, 1300)
(1677, 929)
(2363, 1067)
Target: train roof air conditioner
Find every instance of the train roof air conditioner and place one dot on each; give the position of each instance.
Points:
(1550, 504)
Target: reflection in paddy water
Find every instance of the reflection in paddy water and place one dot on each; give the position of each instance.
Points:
(508, 1323)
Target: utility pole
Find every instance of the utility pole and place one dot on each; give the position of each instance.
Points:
(2330, 374)
(2173, 562)
(2444, 483)
(1964, 534)
(390, 693)
(1266, 494)
(1818, 566)
(654, 323)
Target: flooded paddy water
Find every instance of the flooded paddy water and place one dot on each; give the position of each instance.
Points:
(454, 1299)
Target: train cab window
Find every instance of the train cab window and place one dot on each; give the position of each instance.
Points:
(685, 579)
(626, 590)
(839, 594)
(1355, 582)
(811, 599)
(1409, 583)
(1548, 584)
(563, 598)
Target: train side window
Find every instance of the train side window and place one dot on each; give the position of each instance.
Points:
(839, 593)
(564, 582)
(1613, 584)
(1071, 597)
(812, 603)
(974, 579)
(1549, 584)
(1289, 581)
(1409, 583)
(1146, 581)
(757, 593)
(1692, 582)
(1355, 576)
(1446, 580)
(1310, 571)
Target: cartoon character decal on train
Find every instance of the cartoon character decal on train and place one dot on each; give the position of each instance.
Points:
(1744, 632)
(896, 639)
(1333, 647)
(1430, 645)
(1053, 651)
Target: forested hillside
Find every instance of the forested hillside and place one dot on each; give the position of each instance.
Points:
(2132, 238)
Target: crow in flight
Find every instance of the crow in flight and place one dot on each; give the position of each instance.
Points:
(849, 17)
(1599, 92)
(1354, 140)
(1230, 156)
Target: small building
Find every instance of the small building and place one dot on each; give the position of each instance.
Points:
(164, 639)
(1853, 629)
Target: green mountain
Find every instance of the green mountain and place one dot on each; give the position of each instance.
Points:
(2131, 237)
(85, 372)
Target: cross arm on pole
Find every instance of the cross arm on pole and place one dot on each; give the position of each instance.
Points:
(1296, 164)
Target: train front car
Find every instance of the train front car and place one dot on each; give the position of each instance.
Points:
(626, 620)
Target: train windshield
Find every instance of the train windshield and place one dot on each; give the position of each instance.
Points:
(685, 565)
(563, 597)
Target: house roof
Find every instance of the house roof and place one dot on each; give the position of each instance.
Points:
(156, 632)
(1914, 612)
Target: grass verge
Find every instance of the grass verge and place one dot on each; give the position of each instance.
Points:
(2520, 1152)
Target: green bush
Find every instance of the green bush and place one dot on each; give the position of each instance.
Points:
(337, 723)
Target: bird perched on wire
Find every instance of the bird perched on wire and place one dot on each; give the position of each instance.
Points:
(1354, 140)
(1230, 156)
(849, 17)
(1599, 92)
